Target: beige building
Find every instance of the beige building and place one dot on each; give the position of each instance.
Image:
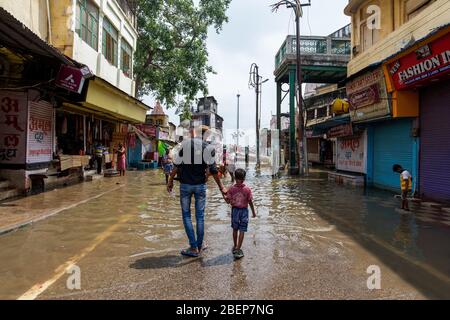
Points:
(381, 28)
(98, 33)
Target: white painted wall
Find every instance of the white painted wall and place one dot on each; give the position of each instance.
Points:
(84, 53)
(95, 60)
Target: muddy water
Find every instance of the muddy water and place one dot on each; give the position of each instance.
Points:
(306, 227)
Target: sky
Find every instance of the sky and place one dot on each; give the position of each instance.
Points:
(254, 34)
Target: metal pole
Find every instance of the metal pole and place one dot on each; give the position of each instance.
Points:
(302, 138)
(257, 119)
(237, 139)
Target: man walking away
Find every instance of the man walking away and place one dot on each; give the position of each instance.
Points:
(191, 164)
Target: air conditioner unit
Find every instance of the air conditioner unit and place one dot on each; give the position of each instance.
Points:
(356, 50)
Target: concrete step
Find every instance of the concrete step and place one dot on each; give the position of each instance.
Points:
(94, 177)
(6, 193)
(4, 184)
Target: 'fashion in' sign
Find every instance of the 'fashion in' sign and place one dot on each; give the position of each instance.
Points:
(427, 62)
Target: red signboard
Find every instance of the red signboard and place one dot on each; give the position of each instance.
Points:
(344, 130)
(70, 78)
(365, 97)
(148, 130)
(428, 62)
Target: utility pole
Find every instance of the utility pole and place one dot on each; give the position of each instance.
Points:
(297, 6)
(255, 82)
(258, 160)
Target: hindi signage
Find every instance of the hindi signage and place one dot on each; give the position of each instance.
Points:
(343, 130)
(368, 96)
(13, 127)
(352, 153)
(40, 132)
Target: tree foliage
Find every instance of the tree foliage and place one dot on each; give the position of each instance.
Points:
(171, 59)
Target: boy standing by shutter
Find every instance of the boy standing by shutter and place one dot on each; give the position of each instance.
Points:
(405, 184)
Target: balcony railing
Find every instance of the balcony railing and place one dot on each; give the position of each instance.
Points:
(318, 107)
(129, 8)
(313, 46)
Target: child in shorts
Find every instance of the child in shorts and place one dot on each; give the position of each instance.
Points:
(240, 197)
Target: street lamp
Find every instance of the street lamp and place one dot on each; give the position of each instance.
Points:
(297, 6)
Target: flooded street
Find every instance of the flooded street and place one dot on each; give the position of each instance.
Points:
(312, 239)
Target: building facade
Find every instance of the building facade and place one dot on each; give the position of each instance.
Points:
(206, 113)
(89, 97)
(397, 86)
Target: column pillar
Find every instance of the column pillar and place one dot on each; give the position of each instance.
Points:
(293, 168)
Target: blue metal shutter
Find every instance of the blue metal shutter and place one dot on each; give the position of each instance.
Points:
(435, 142)
(393, 144)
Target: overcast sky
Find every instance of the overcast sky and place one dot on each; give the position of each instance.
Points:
(255, 34)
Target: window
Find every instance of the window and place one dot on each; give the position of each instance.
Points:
(414, 7)
(159, 122)
(110, 40)
(87, 22)
(369, 36)
(126, 59)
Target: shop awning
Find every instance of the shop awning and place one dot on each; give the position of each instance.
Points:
(16, 36)
(105, 98)
(323, 127)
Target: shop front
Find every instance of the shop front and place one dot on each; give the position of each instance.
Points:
(392, 142)
(95, 127)
(142, 145)
(26, 136)
(435, 142)
(389, 122)
(423, 73)
(31, 89)
(351, 157)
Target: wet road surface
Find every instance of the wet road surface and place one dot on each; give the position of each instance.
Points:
(312, 240)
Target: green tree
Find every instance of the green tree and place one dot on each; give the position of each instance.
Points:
(171, 59)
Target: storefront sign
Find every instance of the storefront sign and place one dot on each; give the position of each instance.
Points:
(162, 135)
(149, 130)
(13, 126)
(343, 130)
(429, 61)
(351, 153)
(368, 96)
(40, 132)
(70, 78)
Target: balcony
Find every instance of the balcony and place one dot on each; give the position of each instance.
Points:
(313, 46)
(327, 55)
(129, 8)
